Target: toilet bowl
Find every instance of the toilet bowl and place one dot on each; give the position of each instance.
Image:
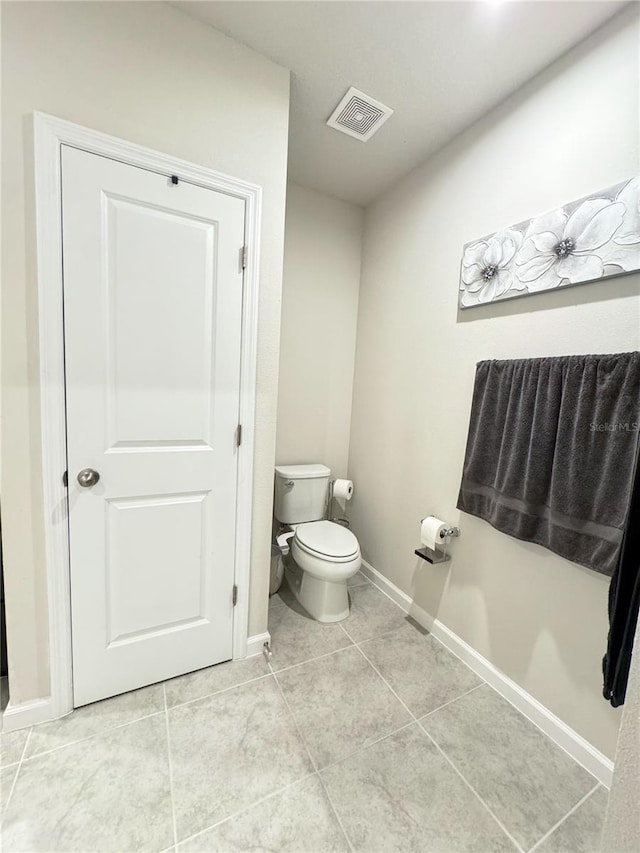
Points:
(326, 555)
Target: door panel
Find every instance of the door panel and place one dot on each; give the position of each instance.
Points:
(155, 396)
(153, 299)
(147, 538)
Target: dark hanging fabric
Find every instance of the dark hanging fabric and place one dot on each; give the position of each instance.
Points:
(624, 602)
(551, 451)
(552, 457)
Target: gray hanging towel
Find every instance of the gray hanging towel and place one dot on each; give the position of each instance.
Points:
(551, 449)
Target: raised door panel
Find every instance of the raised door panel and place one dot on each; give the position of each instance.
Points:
(161, 287)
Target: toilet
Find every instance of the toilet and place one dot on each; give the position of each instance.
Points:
(325, 554)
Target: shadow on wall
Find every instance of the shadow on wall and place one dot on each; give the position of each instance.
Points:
(618, 287)
(542, 632)
(428, 586)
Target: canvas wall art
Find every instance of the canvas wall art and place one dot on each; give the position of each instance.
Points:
(586, 240)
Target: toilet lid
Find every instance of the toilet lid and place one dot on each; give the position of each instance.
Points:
(327, 539)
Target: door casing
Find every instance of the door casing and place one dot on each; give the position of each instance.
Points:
(50, 134)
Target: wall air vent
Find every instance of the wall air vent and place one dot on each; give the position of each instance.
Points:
(358, 115)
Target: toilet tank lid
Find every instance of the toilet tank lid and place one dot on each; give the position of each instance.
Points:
(302, 472)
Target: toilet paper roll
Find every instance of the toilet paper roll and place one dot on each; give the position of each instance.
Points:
(430, 531)
(342, 490)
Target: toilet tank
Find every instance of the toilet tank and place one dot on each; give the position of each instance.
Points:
(301, 493)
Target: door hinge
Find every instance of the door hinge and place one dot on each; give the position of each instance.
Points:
(238, 435)
(235, 595)
(65, 479)
(243, 254)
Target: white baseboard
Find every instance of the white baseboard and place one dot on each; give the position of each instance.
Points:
(256, 643)
(26, 714)
(563, 735)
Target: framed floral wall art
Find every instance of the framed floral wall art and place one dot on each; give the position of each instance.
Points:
(586, 240)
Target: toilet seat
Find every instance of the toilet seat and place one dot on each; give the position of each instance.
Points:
(327, 540)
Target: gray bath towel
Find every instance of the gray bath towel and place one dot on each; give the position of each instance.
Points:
(550, 453)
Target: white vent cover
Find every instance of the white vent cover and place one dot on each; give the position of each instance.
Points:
(358, 115)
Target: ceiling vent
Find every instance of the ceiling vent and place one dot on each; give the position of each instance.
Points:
(358, 115)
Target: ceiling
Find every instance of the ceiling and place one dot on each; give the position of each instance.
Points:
(438, 65)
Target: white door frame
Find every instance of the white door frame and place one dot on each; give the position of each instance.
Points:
(50, 134)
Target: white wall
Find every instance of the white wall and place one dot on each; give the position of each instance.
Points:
(574, 130)
(148, 73)
(322, 251)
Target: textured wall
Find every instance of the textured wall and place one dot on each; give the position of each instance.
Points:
(573, 130)
(150, 74)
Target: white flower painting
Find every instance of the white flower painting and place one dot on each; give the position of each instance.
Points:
(487, 267)
(596, 237)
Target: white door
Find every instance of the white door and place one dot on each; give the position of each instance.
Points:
(152, 317)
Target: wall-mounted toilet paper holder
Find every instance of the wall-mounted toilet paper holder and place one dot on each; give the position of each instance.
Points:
(432, 556)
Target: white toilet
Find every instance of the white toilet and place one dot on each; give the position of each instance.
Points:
(325, 553)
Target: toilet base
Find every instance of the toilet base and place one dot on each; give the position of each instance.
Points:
(325, 601)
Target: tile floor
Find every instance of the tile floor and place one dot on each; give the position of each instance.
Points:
(363, 736)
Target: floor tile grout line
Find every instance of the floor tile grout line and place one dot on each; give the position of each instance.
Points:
(109, 729)
(411, 722)
(15, 778)
(334, 810)
(311, 758)
(386, 594)
(367, 746)
(382, 678)
(451, 701)
(522, 714)
(445, 756)
(295, 723)
(444, 646)
(470, 668)
(484, 681)
(387, 633)
(222, 690)
(248, 808)
(429, 632)
(374, 636)
(102, 732)
(472, 789)
(136, 720)
(358, 749)
(173, 803)
(458, 658)
(349, 637)
(574, 808)
(309, 660)
(415, 719)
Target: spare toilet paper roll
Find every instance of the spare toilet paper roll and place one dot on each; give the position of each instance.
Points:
(430, 531)
(343, 490)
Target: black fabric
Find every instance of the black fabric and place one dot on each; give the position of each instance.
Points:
(624, 602)
(551, 451)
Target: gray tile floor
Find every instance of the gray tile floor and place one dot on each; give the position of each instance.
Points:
(363, 736)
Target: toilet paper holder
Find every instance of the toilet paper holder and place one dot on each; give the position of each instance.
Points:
(432, 556)
(448, 531)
